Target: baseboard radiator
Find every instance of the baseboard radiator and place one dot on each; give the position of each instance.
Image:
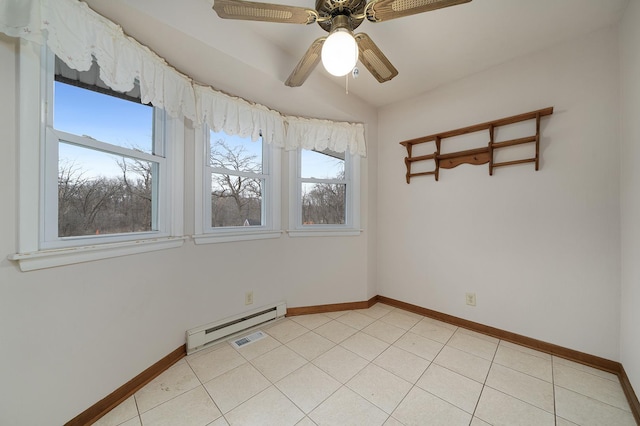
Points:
(204, 336)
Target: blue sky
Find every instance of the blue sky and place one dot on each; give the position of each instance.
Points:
(102, 117)
(106, 118)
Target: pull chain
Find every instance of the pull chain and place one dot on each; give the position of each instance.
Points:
(355, 72)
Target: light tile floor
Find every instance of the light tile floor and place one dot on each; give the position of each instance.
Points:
(379, 366)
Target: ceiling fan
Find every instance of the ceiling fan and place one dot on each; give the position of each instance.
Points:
(341, 49)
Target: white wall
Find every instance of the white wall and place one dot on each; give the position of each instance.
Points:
(541, 250)
(71, 335)
(630, 192)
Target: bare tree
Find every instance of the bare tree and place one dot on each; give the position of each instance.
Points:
(69, 182)
(324, 203)
(137, 179)
(81, 201)
(100, 205)
(244, 191)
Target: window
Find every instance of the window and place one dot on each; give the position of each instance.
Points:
(240, 189)
(106, 154)
(237, 181)
(109, 169)
(325, 193)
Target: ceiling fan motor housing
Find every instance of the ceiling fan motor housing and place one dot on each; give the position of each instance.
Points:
(341, 21)
(329, 10)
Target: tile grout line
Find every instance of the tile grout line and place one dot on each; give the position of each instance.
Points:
(206, 390)
(389, 415)
(616, 380)
(172, 398)
(553, 387)
(248, 361)
(484, 384)
(342, 385)
(593, 399)
(431, 362)
(523, 372)
(580, 393)
(269, 380)
(137, 409)
(308, 362)
(519, 399)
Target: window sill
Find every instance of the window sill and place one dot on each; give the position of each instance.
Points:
(69, 256)
(331, 232)
(228, 237)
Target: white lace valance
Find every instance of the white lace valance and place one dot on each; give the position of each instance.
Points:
(78, 35)
(238, 117)
(319, 135)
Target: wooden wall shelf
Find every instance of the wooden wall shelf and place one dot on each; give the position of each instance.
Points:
(482, 155)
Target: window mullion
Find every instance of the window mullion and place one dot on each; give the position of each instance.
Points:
(240, 173)
(330, 181)
(108, 148)
(50, 186)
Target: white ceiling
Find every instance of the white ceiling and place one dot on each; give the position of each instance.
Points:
(429, 49)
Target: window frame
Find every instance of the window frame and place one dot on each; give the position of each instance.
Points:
(38, 170)
(351, 227)
(271, 172)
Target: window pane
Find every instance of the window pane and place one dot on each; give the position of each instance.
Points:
(322, 165)
(235, 200)
(103, 117)
(235, 153)
(100, 193)
(323, 203)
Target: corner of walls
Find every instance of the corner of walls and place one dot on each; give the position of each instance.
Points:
(630, 191)
(8, 215)
(8, 132)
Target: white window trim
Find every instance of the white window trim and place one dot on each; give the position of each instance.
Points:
(351, 226)
(33, 109)
(204, 234)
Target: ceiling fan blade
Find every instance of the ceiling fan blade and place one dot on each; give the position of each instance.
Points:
(384, 10)
(373, 58)
(254, 11)
(306, 64)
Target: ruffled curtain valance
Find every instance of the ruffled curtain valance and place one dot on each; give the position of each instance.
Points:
(238, 117)
(78, 36)
(322, 134)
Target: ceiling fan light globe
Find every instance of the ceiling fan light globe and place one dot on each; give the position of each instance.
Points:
(339, 52)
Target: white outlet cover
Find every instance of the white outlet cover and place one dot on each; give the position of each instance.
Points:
(471, 299)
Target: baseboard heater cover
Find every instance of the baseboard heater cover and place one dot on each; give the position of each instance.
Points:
(204, 336)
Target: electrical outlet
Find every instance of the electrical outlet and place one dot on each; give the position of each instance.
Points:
(471, 299)
(248, 298)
